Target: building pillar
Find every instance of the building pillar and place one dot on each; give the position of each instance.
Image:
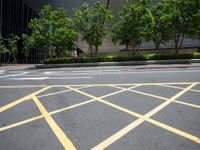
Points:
(1, 17)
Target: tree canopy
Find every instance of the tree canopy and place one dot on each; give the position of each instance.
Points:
(53, 29)
(135, 24)
(91, 23)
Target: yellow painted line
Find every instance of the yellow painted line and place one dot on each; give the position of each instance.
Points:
(158, 97)
(117, 135)
(67, 144)
(20, 123)
(175, 87)
(59, 110)
(59, 92)
(141, 93)
(40, 117)
(163, 105)
(16, 102)
(104, 144)
(128, 84)
(71, 107)
(187, 104)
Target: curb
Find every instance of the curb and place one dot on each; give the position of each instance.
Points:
(129, 63)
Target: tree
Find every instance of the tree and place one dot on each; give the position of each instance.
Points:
(135, 24)
(181, 17)
(162, 28)
(91, 23)
(3, 50)
(194, 28)
(13, 47)
(28, 45)
(53, 29)
(64, 33)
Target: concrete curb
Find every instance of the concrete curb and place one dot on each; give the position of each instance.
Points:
(129, 63)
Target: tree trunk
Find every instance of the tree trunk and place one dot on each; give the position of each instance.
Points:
(15, 60)
(27, 59)
(133, 46)
(176, 41)
(91, 53)
(126, 46)
(0, 59)
(96, 50)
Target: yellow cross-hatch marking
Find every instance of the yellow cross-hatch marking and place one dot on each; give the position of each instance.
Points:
(175, 87)
(59, 110)
(141, 119)
(16, 102)
(157, 97)
(145, 118)
(67, 144)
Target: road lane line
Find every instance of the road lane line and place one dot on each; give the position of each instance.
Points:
(67, 144)
(20, 123)
(49, 78)
(14, 75)
(158, 97)
(142, 118)
(175, 87)
(16, 102)
(59, 92)
(21, 86)
(57, 111)
(125, 84)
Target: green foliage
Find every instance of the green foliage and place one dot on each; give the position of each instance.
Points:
(29, 43)
(162, 29)
(194, 28)
(181, 18)
(53, 29)
(13, 47)
(196, 55)
(3, 50)
(135, 24)
(91, 22)
(121, 58)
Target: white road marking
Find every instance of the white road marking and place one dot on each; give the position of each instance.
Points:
(49, 78)
(40, 78)
(12, 75)
(64, 74)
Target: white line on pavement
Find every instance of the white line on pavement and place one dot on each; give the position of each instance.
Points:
(49, 78)
(12, 75)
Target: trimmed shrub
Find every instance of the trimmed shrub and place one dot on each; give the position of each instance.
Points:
(120, 58)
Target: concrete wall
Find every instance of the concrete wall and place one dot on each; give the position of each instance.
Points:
(127, 53)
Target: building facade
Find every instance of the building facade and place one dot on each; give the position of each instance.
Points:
(15, 15)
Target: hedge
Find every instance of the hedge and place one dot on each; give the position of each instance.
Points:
(66, 60)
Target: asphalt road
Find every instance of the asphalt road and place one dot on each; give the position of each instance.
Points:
(153, 107)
